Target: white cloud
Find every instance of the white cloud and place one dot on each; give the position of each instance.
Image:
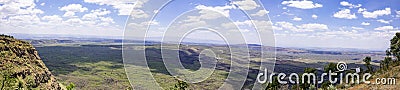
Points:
(384, 28)
(300, 28)
(360, 10)
(138, 13)
(52, 19)
(344, 3)
(246, 4)
(18, 7)
(22, 16)
(71, 9)
(376, 13)
(95, 14)
(222, 9)
(384, 21)
(296, 18)
(69, 14)
(260, 13)
(314, 16)
(357, 28)
(398, 14)
(345, 13)
(124, 7)
(365, 23)
(42, 4)
(285, 25)
(312, 27)
(302, 4)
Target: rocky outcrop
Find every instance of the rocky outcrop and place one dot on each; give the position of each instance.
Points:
(22, 68)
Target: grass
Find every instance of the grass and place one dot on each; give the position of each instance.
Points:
(101, 67)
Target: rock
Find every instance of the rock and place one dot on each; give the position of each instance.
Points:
(22, 68)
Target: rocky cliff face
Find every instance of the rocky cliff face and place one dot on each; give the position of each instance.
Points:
(22, 68)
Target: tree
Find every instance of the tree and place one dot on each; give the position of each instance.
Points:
(367, 61)
(395, 46)
(331, 67)
(306, 85)
(274, 85)
(181, 85)
(71, 86)
(386, 62)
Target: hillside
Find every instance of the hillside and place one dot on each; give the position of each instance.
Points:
(22, 68)
(393, 72)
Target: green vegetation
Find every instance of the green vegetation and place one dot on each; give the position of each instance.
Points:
(21, 67)
(101, 67)
(387, 65)
(181, 85)
(367, 61)
(71, 86)
(274, 85)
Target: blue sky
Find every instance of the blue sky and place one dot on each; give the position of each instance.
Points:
(366, 24)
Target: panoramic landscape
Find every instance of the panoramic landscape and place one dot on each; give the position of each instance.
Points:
(199, 45)
(98, 63)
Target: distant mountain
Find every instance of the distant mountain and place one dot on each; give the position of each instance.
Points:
(22, 68)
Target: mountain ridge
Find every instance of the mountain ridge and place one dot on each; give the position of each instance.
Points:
(22, 68)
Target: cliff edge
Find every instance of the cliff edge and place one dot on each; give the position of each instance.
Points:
(22, 68)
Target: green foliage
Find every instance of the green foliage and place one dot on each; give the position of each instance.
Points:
(71, 86)
(310, 70)
(367, 61)
(274, 85)
(181, 85)
(331, 87)
(395, 46)
(20, 66)
(385, 63)
(312, 87)
(325, 85)
(331, 67)
(306, 85)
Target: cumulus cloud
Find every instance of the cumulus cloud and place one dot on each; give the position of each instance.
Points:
(246, 4)
(222, 9)
(384, 28)
(260, 13)
(345, 13)
(347, 4)
(23, 17)
(312, 27)
(18, 7)
(376, 13)
(314, 16)
(302, 4)
(360, 10)
(301, 28)
(95, 14)
(296, 18)
(124, 7)
(52, 18)
(71, 9)
(398, 14)
(384, 21)
(357, 28)
(365, 23)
